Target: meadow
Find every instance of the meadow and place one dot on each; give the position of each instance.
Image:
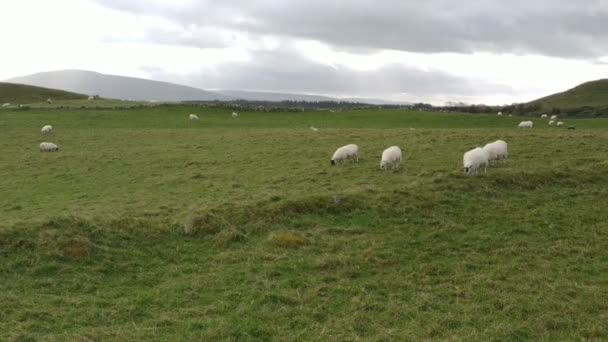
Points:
(287, 247)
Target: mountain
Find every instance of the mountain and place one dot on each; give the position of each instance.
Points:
(21, 93)
(592, 94)
(117, 87)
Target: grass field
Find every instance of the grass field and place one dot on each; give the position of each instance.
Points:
(92, 242)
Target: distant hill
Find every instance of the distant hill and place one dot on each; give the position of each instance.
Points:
(590, 94)
(22, 94)
(278, 97)
(117, 87)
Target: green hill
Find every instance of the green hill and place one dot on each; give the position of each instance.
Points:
(590, 94)
(23, 94)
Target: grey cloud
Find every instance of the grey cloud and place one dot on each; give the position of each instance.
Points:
(286, 71)
(550, 27)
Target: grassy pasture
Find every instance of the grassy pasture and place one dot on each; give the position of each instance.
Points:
(92, 243)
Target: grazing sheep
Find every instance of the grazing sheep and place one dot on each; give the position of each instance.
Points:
(47, 129)
(6, 105)
(91, 98)
(551, 123)
(543, 116)
(510, 115)
(48, 147)
(391, 157)
(314, 129)
(49, 101)
(571, 128)
(553, 117)
(560, 123)
(345, 152)
(235, 114)
(193, 117)
(499, 114)
(497, 150)
(474, 160)
(526, 124)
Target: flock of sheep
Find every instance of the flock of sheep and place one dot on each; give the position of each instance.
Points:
(391, 157)
(552, 121)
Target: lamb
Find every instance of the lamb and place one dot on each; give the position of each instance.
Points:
(525, 124)
(345, 152)
(560, 123)
(551, 123)
(497, 150)
(391, 157)
(553, 117)
(235, 114)
(47, 129)
(314, 129)
(543, 116)
(474, 160)
(48, 147)
(193, 117)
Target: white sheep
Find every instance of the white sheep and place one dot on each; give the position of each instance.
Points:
(49, 101)
(551, 123)
(526, 124)
(345, 152)
(91, 98)
(553, 117)
(314, 129)
(6, 105)
(235, 114)
(499, 114)
(474, 160)
(48, 147)
(47, 129)
(543, 116)
(560, 123)
(497, 150)
(391, 157)
(193, 117)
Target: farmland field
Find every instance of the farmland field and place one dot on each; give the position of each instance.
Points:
(287, 247)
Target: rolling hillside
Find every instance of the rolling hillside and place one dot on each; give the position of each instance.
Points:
(117, 87)
(21, 94)
(592, 94)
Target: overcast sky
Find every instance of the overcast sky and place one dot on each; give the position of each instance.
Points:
(483, 51)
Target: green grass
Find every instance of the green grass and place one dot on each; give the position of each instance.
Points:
(92, 242)
(592, 94)
(25, 94)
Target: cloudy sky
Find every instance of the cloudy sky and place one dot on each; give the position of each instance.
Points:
(482, 51)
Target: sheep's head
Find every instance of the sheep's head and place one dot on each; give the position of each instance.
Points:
(467, 170)
(333, 162)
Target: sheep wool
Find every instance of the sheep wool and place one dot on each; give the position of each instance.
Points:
(497, 150)
(48, 147)
(47, 129)
(344, 153)
(193, 117)
(525, 124)
(474, 160)
(391, 157)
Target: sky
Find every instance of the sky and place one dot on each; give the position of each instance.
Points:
(474, 51)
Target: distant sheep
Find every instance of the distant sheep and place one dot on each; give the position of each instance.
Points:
(91, 98)
(344, 153)
(553, 117)
(526, 124)
(474, 160)
(49, 101)
(543, 116)
(552, 122)
(6, 105)
(193, 117)
(497, 150)
(48, 147)
(391, 157)
(47, 129)
(560, 123)
(314, 129)
(235, 114)
(499, 113)
(571, 128)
